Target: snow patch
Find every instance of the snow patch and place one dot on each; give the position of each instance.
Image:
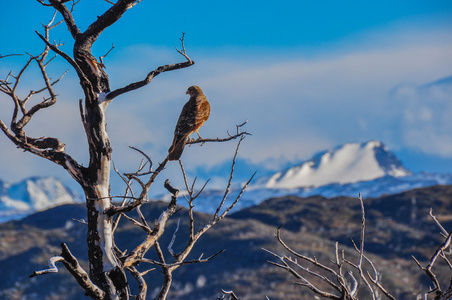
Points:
(31, 195)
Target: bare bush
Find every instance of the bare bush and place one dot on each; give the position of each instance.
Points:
(344, 278)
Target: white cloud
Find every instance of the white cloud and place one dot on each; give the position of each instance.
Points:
(426, 123)
(295, 105)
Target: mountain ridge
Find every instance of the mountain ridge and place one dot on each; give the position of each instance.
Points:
(389, 177)
(367, 168)
(33, 194)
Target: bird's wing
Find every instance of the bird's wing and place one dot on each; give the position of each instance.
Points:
(186, 122)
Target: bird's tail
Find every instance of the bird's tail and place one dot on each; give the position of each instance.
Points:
(175, 151)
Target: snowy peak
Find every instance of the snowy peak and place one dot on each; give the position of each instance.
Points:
(33, 194)
(39, 193)
(348, 163)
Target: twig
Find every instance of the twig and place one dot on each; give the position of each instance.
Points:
(142, 286)
(231, 137)
(181, 263)
(231, 294)
(444, 232)
(7, 55)
(138, 172)
(81, 221)
(228, 187)
(428, 269)
(183, 52)
(173, 239)
(101, 58)
(135, 222)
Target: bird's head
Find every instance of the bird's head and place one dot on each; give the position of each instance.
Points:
(194, 90)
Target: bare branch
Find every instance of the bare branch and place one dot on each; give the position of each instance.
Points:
(46, 147)
(44, 104)
(378, 284)
(135, 222)
(75, 269)
(231, 294)
(303, 281)
(231, 137)
(101, 58)
(173, 239)
(443, 256)
(52, 267)
(81, 221)
(152, 74)
(363, 226)
(66, 13)
(183, 52)
(64, 55)
(143, 195)
(354, 289)
(107, 19)
(360, 251)
(7, 55)
(139, 252)
(444, 232)
(180, 263)
(228, 187)
(32, 92)
(346, 284)
(79, 274)
(142, 286)
(428, 269)
(67, 17)
(57, 155)
(149, 161)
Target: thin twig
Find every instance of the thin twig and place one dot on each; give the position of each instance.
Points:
(444, 232)
(173, 239)
(7, 55)
(101, 58)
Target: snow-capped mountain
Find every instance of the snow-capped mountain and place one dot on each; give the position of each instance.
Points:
(348, 163)
(33, 194)
(369, 169)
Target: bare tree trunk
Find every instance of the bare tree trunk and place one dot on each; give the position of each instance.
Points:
(105, 269)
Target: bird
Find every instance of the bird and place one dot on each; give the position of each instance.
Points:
(193, 115)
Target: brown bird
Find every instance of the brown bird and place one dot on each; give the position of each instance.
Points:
(193, 115)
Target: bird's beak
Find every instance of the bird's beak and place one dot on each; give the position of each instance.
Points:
(187, 92)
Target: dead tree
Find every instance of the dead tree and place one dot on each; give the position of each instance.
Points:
(343, 276)
(441, 252)
(106, 278)
(345, 284)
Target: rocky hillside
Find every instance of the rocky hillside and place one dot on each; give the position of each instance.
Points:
(398, 226)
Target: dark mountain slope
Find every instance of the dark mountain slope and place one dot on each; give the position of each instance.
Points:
(397, 227)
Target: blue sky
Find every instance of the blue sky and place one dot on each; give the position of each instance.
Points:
(308, 75)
